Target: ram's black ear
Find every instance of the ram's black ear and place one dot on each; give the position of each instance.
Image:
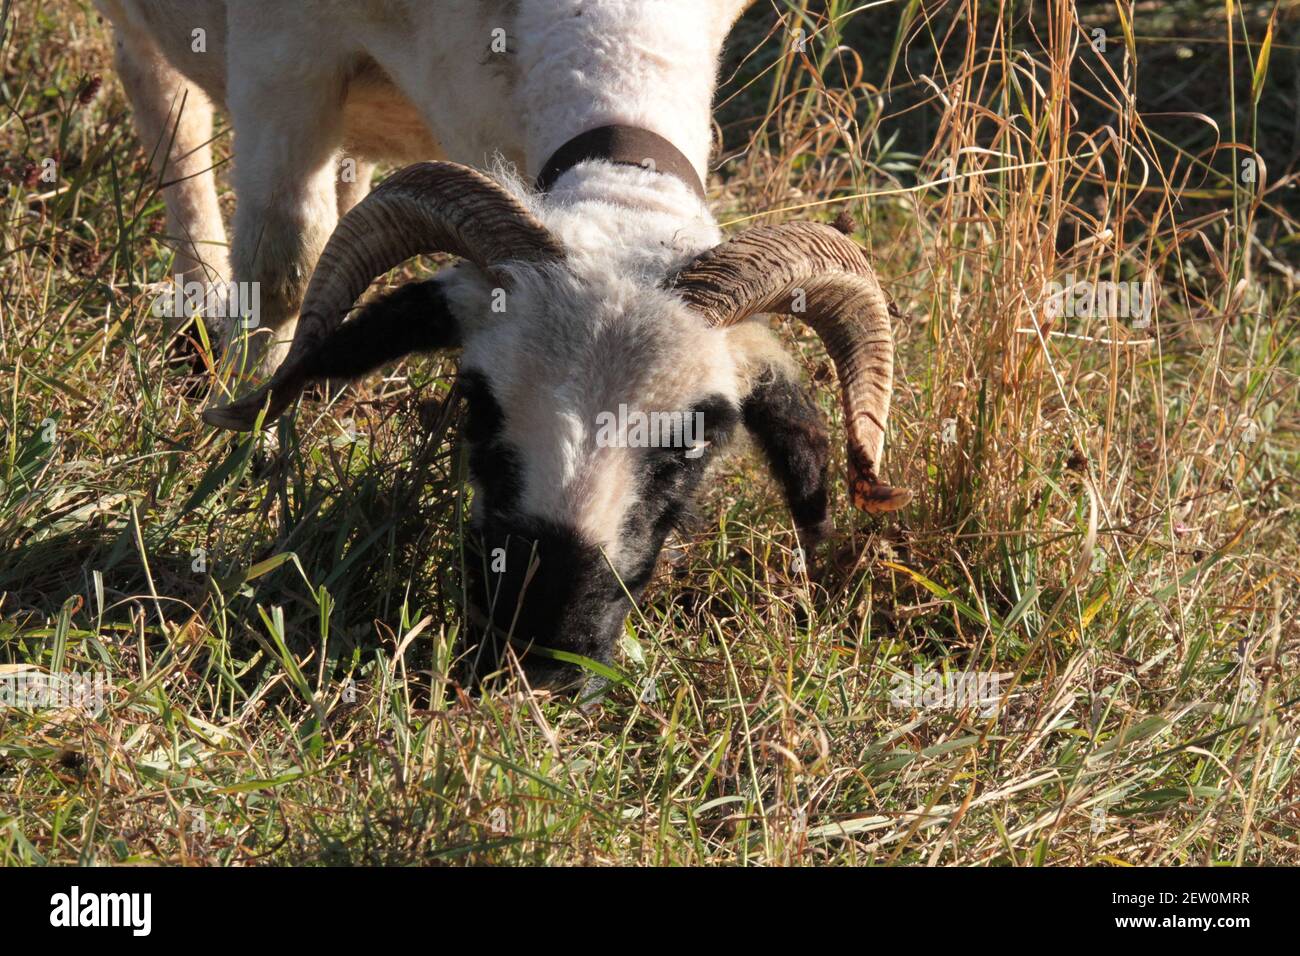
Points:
(415, 318)
(788, 426)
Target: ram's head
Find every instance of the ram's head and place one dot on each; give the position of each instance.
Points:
(599, 388)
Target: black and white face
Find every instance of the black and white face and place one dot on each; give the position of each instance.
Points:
(587, 442)
(608, 358)
(596, 405)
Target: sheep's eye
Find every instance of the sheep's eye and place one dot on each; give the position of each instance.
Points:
(713, 420)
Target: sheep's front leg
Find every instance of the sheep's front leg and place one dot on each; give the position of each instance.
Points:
(287, 133)
(174, 121)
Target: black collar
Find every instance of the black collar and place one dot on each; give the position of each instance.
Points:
(624, 146)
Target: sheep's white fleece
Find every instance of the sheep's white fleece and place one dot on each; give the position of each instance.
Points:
(467, 80)
(488, 83)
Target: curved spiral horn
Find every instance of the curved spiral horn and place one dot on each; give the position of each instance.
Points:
(425, 208)
(817, 274)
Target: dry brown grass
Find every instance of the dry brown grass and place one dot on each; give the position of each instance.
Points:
(1112, 522)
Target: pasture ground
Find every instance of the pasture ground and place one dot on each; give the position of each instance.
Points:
(1105, 509)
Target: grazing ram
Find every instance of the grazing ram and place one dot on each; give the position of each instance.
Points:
(602, 286)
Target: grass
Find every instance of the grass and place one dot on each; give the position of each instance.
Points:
(1105, 513)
